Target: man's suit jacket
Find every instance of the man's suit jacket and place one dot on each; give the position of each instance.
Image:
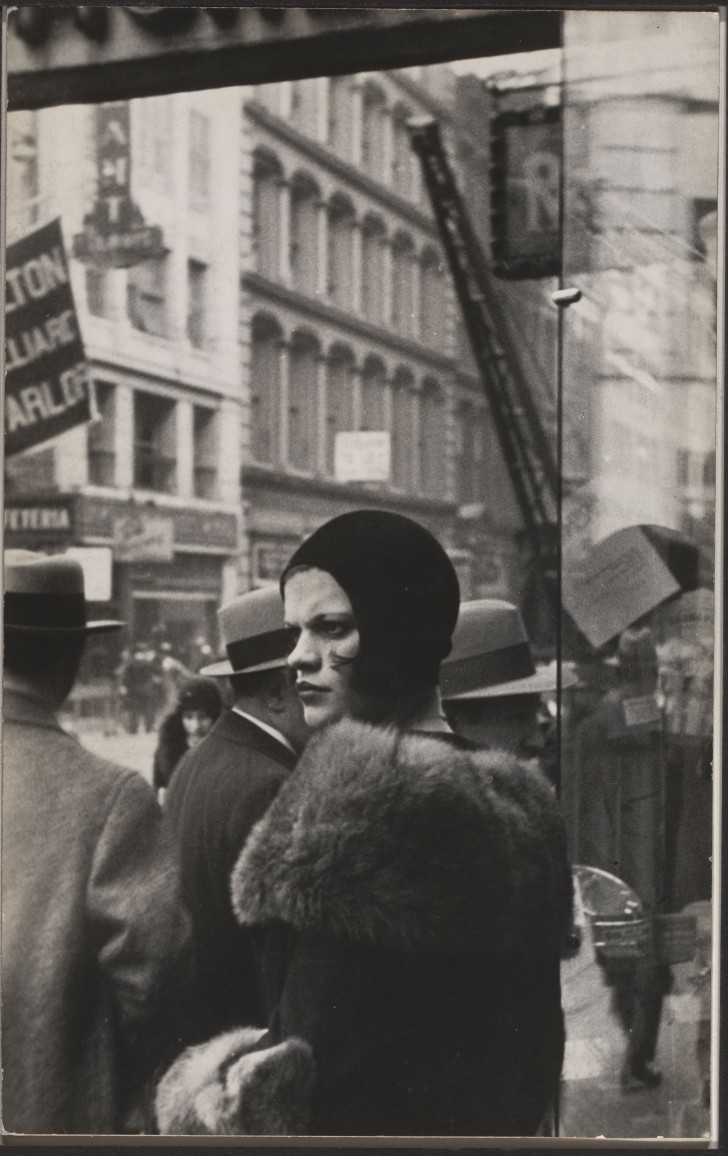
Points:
(217, 794)
(94, 933)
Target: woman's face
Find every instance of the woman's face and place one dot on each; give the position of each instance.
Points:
(322, 625)
(197, 724)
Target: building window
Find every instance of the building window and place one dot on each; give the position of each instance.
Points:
(402, 445)
(470, 455)
(267, 189)
(340, 115)
(196, 303)
(372, 269)
(373, 395)
(23, 188)
(97, 291)
(340, 399)
(156, 142)
(146, 297)
(265, 390)
(341, 240)
(303, 403)
(305, 197)
(403, 158)
(304, 106)
(205, 450)
(432, 440)
(403, 267)
(155, 454)
(432, 301)
(372, 131)
(199, 158)
(100, 437)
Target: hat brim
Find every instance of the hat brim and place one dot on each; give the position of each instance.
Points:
(542, 682)
(100, 626)
(225, 668)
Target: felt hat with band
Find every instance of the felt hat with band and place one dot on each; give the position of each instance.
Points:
(491, 656)
(44, 594)
(253, 630)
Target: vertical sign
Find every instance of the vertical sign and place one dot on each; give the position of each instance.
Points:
(47, 380)
(526, 155)
(114, 232)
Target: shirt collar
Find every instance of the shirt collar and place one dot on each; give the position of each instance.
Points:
(265, 727)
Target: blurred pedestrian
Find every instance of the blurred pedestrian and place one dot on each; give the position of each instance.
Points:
(406, 892)
(195, 712)
(222, 788)
(94, 934)
(173, 674)
(619, 752)
(141, 685)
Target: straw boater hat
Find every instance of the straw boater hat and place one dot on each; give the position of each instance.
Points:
(44, 594)
(491, 656)
(253, 630)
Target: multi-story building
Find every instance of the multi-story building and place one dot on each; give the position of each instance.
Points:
(349, 322)
(164, 457)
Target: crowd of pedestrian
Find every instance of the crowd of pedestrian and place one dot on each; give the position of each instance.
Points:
(346, 919)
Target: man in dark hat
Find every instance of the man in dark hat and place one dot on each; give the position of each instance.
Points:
(220, 790)
(94, 934)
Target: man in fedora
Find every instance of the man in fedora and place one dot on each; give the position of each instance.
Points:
(95, 937)
(220, 790)
(489, 683)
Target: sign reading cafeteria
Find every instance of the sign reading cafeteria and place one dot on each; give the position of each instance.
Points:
(48, 386)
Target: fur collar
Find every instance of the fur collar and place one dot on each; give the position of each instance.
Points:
(408, 841)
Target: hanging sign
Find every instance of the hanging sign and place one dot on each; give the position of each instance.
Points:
(143, 537)
(48, 386)
(114, 232)
(526, 176)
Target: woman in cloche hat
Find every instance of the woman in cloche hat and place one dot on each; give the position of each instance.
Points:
(406, 891)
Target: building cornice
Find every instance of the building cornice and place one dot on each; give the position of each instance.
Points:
(340, 168)
(297, 484)
(380, 336)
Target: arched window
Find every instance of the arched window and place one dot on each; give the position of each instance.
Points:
(372, 131)
(339, 398)
(372, 268)
(341, 235)
(403, 158)
(465, 440)
(373, 395)
(432, 298)
(432, 440)
(265, 389)
(303, 402)
(305, 196)
(340, 115)
(267, 177)
(402, 430)
(403, 258)
(304, 105)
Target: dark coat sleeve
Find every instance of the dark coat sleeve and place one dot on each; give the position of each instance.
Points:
(138, 924)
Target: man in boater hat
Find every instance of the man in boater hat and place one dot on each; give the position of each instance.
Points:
(222, 788)
(95, 938)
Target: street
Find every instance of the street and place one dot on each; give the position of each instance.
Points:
(592, 1103)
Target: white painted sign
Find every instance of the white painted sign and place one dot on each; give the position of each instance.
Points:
(362, 456)
(142, 537)
(95, 562)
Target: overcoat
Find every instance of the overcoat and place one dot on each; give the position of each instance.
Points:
(95, 939)
(408, 895)
(219, 790)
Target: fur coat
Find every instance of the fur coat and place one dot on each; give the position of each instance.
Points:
(408, 895)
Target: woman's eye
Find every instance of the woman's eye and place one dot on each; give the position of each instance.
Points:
(335, 629)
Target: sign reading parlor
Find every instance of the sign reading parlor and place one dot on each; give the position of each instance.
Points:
(48, 386)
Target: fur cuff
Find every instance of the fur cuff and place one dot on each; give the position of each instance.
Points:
(222, 1088)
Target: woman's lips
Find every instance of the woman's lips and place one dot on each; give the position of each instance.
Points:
(307, 690)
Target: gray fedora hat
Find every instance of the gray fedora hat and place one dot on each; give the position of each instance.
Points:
(253, 630)
(491, 656)
(44, 594)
